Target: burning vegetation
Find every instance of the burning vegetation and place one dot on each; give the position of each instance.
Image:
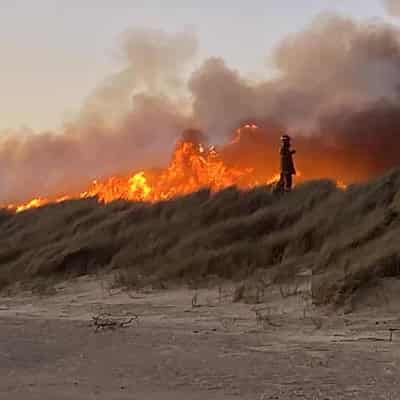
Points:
(193, 166)
(336, 95)
(249, 159)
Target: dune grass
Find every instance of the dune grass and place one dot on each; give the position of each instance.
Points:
(349, 239)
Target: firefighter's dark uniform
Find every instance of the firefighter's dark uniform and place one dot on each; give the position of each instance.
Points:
(287, 166)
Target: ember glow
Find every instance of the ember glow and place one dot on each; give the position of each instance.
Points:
(193, 166)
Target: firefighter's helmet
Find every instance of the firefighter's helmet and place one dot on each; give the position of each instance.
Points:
(285, 139)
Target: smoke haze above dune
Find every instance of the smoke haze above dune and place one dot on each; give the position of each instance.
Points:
(337, 82)
(392, 7)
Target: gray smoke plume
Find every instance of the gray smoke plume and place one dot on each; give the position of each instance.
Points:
(154, 64)
(338, 82)
(130, 121)
(392, 7)
(337, 89)
(334, 64)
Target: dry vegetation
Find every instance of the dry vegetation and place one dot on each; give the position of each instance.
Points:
(349, 239)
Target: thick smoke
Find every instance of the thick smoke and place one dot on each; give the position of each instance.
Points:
(154, 64)
(335, 64)
(392, 7)
(131, 120)
(338, 83)
(336, 89)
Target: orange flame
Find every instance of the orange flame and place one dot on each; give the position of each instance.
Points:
(341, 185)
(34, 203)
(192, 167)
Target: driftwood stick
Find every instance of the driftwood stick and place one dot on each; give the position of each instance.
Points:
(107, 321)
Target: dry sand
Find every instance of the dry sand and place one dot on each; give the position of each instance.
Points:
(217, 350)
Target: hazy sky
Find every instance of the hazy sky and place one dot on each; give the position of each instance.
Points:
(53, 52)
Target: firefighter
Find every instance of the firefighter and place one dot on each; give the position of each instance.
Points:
(287, 164)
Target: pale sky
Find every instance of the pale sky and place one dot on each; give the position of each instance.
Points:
(53, 52)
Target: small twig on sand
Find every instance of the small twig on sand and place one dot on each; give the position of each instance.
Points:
(106, 321)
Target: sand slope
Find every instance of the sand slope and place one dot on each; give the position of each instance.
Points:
(217, 350)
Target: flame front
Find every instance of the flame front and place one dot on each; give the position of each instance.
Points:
(34, 203)
(134, 187)
(192, 167)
